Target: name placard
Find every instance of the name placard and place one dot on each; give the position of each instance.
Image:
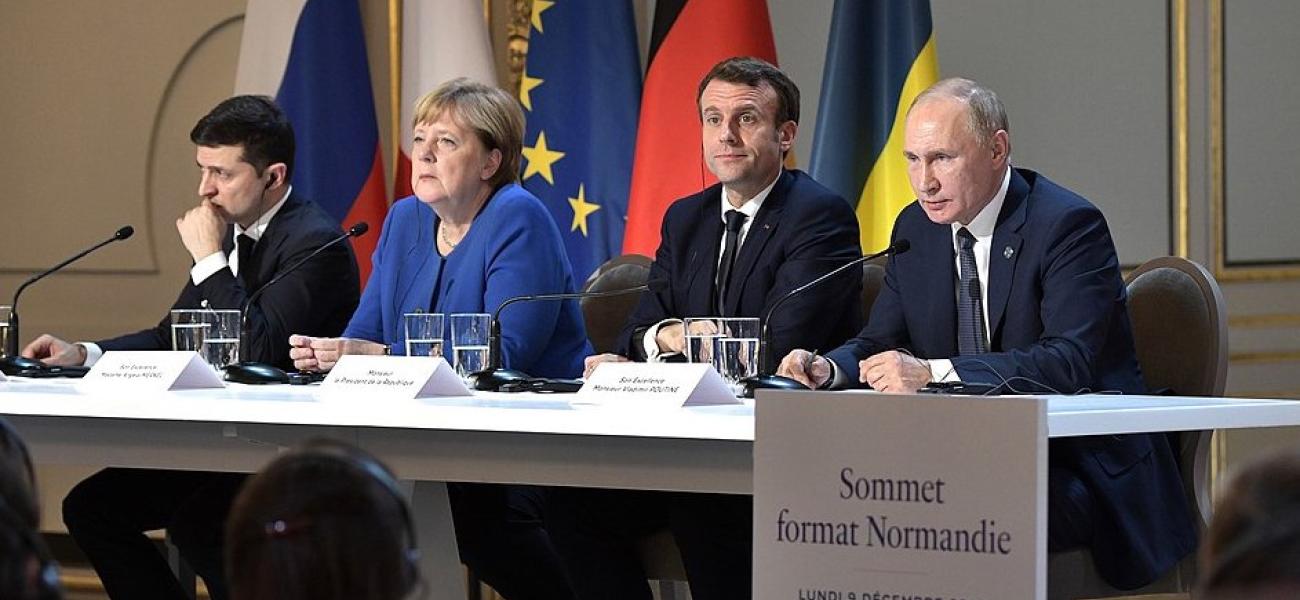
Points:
(404, 377)
(860, 496)
(659, 385)
(153, 369)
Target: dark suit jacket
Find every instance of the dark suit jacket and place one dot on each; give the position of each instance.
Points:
(802, 231)
(316, 299)
(1058, 315)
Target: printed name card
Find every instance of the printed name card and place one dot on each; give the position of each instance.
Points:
(153, 369)
(658, 385)
(860, 496)
(404, 377)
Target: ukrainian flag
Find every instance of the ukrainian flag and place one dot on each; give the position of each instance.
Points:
(879, 58)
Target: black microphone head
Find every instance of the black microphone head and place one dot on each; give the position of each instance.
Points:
(124, 233)
(359, 229)
(900, 246)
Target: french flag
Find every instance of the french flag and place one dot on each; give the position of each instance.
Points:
(311, 56)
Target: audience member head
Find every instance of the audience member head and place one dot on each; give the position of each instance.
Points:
(749, 114)
(957, 148)
(491, 115)
(1253, 547)
(27, 572)
(325, 521)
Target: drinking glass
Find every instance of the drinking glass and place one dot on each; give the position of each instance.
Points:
(424, 334)
(213, 333)
(469, 342)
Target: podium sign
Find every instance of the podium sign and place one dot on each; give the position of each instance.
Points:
(862, 495)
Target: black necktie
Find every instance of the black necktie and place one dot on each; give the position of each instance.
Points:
(970, 305)
(244, 246)
(730, 246)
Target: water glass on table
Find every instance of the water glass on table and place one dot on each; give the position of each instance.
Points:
(213, 333)
(736, 353)
(469, 341)
(701, 334)
(4, 330)
(424, 334)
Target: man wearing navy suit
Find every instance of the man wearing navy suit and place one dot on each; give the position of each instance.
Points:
(730, 250)
(1013, 281)
(247, 228)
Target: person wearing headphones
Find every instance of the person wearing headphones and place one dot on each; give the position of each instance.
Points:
(326, 521)
(248, 227)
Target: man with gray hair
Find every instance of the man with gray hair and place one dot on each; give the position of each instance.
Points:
(1012, 283)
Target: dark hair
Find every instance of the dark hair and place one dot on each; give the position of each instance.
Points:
(254, 122)
(323, 522)
(1254, 538)
(747, 70)
(22, 550)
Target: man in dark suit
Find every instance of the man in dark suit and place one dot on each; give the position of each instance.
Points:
(1013, 281)
(730, 250)
(247, 228)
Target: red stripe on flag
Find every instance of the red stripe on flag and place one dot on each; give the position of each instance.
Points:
(669, 165)
(370, 206)
(402, 176)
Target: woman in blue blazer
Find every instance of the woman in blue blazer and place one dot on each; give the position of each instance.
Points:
(468, 239)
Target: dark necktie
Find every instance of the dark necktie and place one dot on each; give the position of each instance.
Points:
(970, 304)
(244, 245)
(730, 247)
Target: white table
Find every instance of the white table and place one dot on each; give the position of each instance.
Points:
(535, 439)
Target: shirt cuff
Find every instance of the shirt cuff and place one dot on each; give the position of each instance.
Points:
(93, 353)
(942, 371)
(837, 380)
(650, 343)
(208, 267)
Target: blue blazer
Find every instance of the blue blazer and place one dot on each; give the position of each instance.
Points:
(802, 231)
(512, 249)
(1058, 315)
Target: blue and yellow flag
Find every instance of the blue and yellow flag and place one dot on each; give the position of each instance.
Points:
(880, 56)
(581, 91)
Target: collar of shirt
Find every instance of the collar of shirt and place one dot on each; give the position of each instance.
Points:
(750, 208)
(259, 226)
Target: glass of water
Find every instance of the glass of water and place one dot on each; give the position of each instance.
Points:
(424, 334)
(701, 333)
(213, 333)
(4, 329)
(736, 350)
(469, 341)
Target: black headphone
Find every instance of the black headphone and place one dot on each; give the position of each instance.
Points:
(364, 463)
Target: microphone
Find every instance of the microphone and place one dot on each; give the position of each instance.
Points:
(254, 372)
(494, 376)
(12, 363)
(765, 379)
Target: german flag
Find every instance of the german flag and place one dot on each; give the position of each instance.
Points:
(689, 37)
(879, 58)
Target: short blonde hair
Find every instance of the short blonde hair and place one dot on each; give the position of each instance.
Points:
(494, 115)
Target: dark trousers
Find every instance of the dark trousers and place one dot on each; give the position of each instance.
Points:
(1069, 510)
(109, 512)
(502, 537)
(597, 532)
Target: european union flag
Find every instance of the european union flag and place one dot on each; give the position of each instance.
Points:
(581, 91)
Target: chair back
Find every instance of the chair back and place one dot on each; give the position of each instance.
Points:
(873, 278)
(1180, 329)
(605, 317)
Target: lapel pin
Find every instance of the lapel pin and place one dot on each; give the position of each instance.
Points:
(1007, 252)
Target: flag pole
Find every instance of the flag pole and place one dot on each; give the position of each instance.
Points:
(395, 84)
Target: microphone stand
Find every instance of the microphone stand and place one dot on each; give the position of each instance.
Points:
(12, 363)
(495, 375)
(766, 380)
(247, 371)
